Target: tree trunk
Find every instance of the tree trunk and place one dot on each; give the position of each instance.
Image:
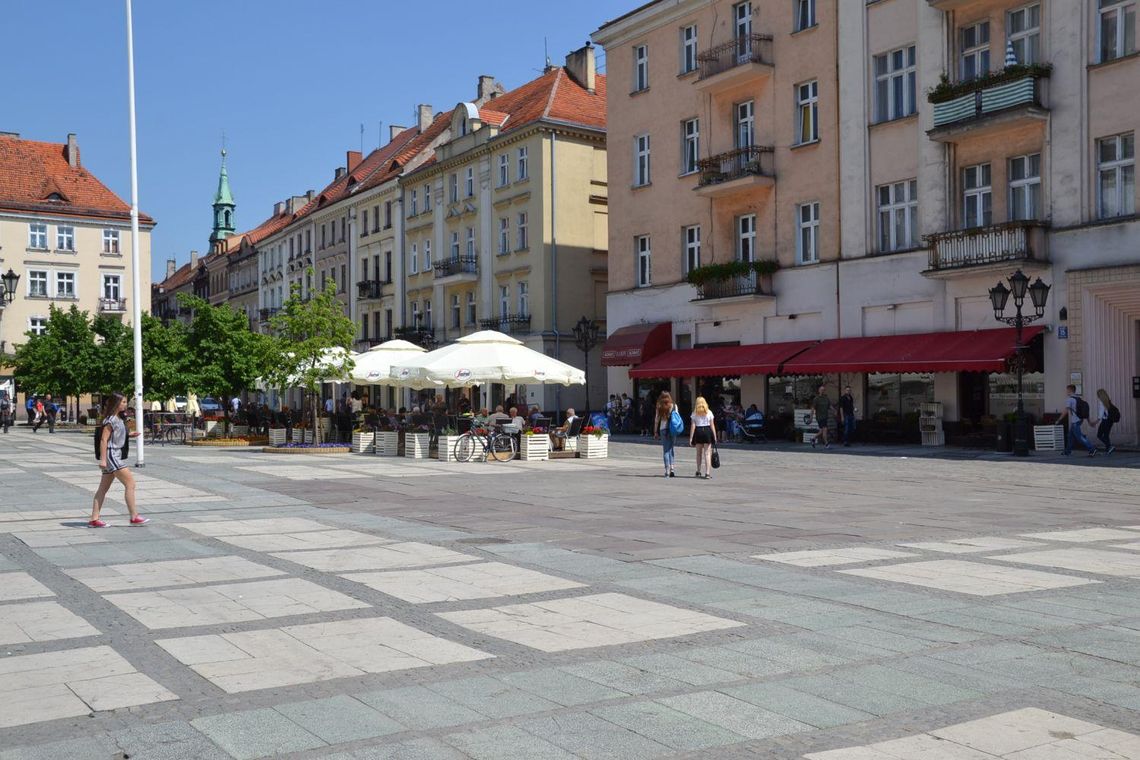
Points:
(316, 419)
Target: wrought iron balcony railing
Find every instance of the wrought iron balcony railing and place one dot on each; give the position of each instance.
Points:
(753, 284)
(113, 305)
(457, 265)
(755, 160)
(507, 323)
(370, 289)
(746, 48)
(978, 246)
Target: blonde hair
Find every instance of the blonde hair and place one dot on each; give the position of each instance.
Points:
(1102, 394)
(701, 406)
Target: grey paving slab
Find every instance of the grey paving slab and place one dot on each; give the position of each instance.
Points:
(339, 719)
(505, 743)
(667, 726)
(624, 676)
(166, 741)
(736, 715)
(561, 687)
(418, 707)
(587, 736)
(92, 748)
(492, 698)
(413, 749)
(797, 705)
(256, 733)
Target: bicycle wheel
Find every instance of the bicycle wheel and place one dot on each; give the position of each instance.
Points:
(176, 435)
(465, 447)
(502, 447)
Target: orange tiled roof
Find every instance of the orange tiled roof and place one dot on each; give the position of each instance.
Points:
(31, 172)
(554, 95)
(181, 276)
(411, 149)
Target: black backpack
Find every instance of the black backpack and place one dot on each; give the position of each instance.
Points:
(1082, 408)
(99, 440)
(1113, 414)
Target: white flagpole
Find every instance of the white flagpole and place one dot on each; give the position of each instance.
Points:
(136, 302)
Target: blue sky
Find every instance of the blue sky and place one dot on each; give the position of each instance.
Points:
(289, 82)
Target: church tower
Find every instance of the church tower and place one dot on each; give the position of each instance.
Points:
(223, 207)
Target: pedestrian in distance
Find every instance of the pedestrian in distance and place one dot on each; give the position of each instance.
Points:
(111, 450)
(1076, 414)
(665, 428)
(702, 435)
(1107, 415)
(46, 411)
(30, 408)
(821, 407)
(38, 415)
(847, 415)
(5, 413)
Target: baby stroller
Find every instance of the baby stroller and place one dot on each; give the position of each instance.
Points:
(751, 427)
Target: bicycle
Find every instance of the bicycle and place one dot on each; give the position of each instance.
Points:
(495, 444)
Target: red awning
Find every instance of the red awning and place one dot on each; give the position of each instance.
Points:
(977, 351)
(722, 361)
(637, 343)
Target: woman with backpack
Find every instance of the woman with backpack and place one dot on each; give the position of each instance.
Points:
(110, 450)
(1108, 415)
(667, 425)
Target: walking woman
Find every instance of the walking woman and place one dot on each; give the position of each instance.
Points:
(1107, 414)
(112, 441)
(702, 434)
(663, 429)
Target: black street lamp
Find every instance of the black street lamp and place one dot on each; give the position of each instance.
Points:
(999, 296)
(585, 338)
(8, 282)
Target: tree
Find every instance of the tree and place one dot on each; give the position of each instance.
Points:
(164, 359)
(113, 360)
(312, 347)
(224, 356)
(61, 359)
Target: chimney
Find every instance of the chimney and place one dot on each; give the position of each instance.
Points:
(424, 116)
(193, 259)
(486, 89)
(279, 208)
(352, 159)
(171, 268)
(582, 67)
(72, 151)
(340, 172)
(393, 130)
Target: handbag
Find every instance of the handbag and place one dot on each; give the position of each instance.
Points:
(676, 424)
(715, 457)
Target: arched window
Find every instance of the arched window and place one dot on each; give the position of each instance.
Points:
(228, 217)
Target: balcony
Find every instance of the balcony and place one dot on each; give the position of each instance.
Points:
(981, 249)
(1008, 99)
(735, 62)
(458, 269)
(112, 306)
(418, 334)
(736, 280)
(509, 323)
(267, 313)
(737, 170)
(370, 290)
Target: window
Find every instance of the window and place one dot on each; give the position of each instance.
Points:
(456, 313)
(427, 255)
(746, 237)
(323, 242)
(376, 221)
(805, 14)
(37, 325)
(376, 334)
(112, 287)
(387, 266)
(807, 241)
(504, 301)
(524, 300)
(37, 236)
(524, 239)
(343, 278)
(690, 145)
(1025, 187)
(110, 241)
(976, 196)
(470, 242)
(453, 194)
(1117, 29)
(898, 216)
(745, 124)
(427, 197)
(640, 68)
(644, 270)
(343, 221)
(641, 173)
(364, 327)
(414, 205)
(1116, 175)
(414, 260)
(742, 29)
(504, 235)
(387, 214)
(364, 223)
(524, 163)
(974, 50)
(469, 180)
(1023, 30)
(504, 170)
(415, 313)
(688, 48)
(807, 109)
(65, 284)
(37, 284)
(427, 312)
(895, 84)
(454, 246)
(691, 239)
(471, 313)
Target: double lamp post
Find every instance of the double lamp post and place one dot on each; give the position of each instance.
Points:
(999, 297)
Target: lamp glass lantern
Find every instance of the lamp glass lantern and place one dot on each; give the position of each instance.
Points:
(999, 295)
(8, 282)
(1039, 294)
(1018, 284)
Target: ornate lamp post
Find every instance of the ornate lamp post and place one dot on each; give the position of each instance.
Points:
(8, 282)
(585, 338)
(999, 296)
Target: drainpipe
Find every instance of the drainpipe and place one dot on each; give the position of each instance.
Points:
(554, 264)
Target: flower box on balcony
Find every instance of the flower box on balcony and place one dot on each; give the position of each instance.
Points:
(535, 447)
(362, 442)
(417, 445)
(592, 446)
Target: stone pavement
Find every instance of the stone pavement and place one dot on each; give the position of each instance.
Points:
(835, 605)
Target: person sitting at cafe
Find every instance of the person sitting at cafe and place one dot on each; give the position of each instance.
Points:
(535, 413)
(558, 435)
(499, 417)
(517, 423)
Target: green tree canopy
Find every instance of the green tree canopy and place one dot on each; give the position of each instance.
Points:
(61, 359)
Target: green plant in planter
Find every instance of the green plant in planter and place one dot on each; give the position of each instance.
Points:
(449, 431)
(946, 90)
(728, 270)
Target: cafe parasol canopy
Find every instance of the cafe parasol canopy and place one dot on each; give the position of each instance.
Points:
(484, 357)
(374, 366)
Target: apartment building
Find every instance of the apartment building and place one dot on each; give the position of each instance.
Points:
(67, 237)
(974, 138)
(505, 226)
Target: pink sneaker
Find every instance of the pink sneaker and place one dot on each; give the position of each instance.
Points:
(96, 524)
(139, 520)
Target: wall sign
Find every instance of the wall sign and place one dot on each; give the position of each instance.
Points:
(1063, 332)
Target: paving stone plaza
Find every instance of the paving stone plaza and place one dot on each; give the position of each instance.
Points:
(802, 604)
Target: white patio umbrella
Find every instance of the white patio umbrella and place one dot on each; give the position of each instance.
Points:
(374, 366)
(485, 357)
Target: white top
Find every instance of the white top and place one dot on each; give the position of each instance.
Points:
(1101, 410)
(702, 420)
(356, 405)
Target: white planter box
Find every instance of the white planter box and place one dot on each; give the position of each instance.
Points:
(387, 443)
(1048, 437)
(535, 448)
(303, 436)
(446, 449)
(239, 429)
(210, 425)
(593, 447)
(569, 444)
(326, 428)
(276, 436)
(362, 442)
(416, 445)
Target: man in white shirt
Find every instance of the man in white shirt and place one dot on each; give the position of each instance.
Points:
(330, 405)
(235, 404)
(356, 405)
(558, 435)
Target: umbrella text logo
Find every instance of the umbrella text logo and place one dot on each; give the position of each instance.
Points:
(405, 373)
(463, 375)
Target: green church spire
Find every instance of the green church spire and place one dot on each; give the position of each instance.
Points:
(223, 206)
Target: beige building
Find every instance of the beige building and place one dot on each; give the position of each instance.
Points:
(973, 137)
(505, 227)
(68, 238)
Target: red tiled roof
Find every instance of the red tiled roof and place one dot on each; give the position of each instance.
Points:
(554, 95)
(31, 172)
(411, 149)
(181, 276)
